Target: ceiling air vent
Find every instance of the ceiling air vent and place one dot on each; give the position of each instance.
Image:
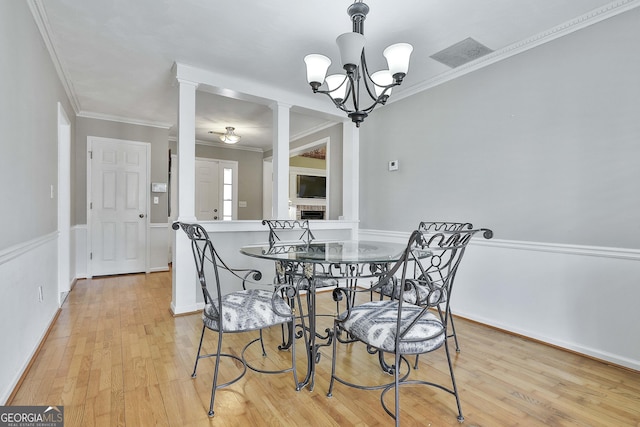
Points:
(462, 52)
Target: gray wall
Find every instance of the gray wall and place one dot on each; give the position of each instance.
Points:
(30, 91)
(158, 139)
(543, 146)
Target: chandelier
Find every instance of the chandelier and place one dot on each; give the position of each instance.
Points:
(344, 89)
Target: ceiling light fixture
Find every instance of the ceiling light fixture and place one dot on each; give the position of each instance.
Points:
(341, 87)
(230, 136)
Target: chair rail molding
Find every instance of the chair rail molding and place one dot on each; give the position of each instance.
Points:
(15, 251)
(551, 293)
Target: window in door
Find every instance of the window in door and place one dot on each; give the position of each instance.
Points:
(228, 201)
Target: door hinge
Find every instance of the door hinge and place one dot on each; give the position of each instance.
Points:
(90, 205)
(91, 155)
(90, 255)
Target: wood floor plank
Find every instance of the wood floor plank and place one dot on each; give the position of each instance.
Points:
(116, 357)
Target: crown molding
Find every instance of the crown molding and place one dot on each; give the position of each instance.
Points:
(42, 22)
(126, 120)
(222, 145)
(612, 9)
(311, 131)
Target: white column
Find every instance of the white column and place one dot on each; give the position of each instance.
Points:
(280, 160)
(184, 283)
(350, 171)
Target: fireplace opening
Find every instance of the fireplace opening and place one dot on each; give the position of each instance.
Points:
(311, 214)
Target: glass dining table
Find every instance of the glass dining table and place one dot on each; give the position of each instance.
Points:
(347, 260)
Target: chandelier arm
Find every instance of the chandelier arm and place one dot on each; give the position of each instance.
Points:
(366, 76)
(354, 88)
(339, 105)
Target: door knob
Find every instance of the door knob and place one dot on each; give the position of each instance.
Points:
(141, 215)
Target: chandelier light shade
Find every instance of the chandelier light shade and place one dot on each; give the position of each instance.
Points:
(345, 89)
(230, 137)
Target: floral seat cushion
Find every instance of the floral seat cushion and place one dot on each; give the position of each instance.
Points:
(375, 323)
(247, 310)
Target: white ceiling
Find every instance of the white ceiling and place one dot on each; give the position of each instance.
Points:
(116, 56)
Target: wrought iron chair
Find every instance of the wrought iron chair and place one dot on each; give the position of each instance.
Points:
(239, 311)
(401, 328)
(293, 273)
(437, 227)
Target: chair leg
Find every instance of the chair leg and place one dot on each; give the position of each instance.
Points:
(453, 382)
(264, 352)
(193, 375)
(215, 374)
(396, 373)
(333, 361)
(292, 329)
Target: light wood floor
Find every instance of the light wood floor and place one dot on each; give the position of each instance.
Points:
(116, 356)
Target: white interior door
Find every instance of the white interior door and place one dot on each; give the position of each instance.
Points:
(207, 190)
(118, 206)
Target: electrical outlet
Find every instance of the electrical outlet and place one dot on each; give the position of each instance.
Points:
(40, 294)
(393, 165)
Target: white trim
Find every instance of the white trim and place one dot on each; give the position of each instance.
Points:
(15, 251)
(318, 128)
(64, 202)
(229, 146)
(119, 119)
(589, 351)
(40, 17)
(582, 250)
(575, 24)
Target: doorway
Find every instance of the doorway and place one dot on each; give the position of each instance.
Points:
(216, 190)
(118, 206)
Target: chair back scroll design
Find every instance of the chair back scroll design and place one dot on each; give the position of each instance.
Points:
(288, 224)
(436, 226)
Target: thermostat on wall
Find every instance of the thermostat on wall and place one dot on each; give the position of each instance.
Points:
(158, 187)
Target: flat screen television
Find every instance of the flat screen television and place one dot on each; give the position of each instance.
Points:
(311, 187)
